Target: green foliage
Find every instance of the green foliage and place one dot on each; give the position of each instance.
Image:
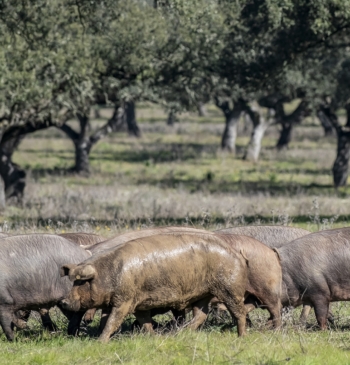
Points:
(45, 63)
(57, 56)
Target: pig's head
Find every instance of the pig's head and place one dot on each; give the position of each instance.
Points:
(86, 292)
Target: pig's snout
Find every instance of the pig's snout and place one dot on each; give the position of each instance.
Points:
(69, 305)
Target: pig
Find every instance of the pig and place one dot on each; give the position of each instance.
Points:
(83, 239)
(264, 275)
(129, 236)
(30, 277)
(316, 271)
(272, 236)
(126, 237)
(268, 296)
(160, 271)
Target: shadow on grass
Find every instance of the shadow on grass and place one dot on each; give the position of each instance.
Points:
(268, 187)
(163, 153)
(38, 173)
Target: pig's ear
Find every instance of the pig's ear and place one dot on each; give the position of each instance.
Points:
(86, 272)
(66, 268)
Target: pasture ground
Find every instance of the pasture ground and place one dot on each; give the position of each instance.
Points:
(292, 345)
(178, 176)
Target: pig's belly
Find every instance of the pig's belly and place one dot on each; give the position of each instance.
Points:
(170, 298)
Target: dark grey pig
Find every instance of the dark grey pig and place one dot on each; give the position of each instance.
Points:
(316, 271)
(272, 236)
(30, 277)
(82, 238)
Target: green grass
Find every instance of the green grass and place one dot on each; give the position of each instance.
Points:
(292, 344)
(293, 347)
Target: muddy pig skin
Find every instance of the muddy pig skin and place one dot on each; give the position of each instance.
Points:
(272, 236)
(267, 294)
(129, 236)
(30, 276)
(171, 271)
(264, 274)
(126, 237)
(316, 271)
(83, 239)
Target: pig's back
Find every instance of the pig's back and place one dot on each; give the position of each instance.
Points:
(272, 236)
(30, 267)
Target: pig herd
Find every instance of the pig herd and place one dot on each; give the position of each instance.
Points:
(177, 269)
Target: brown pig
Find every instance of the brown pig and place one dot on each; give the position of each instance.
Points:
(266, 283)
(264, 275)
(129, 236)
(171, 271)
(274, 237)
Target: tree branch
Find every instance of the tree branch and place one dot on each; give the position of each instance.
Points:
(16, 131)
(70, 132)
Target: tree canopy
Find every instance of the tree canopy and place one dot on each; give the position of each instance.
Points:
(61, 57)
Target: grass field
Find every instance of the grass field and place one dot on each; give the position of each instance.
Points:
(178, 175)
(292, 345)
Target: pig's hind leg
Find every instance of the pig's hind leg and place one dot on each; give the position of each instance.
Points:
(234, 302)
(275, 309)
(200, 313)
(7, 322)
(306, 312)
(321, 305)
(144, 319)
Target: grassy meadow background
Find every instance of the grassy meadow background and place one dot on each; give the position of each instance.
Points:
(179, 176)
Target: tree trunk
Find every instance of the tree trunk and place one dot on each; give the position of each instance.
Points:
(228, 141)
(82, 152)
(260, 125)
(97, 113)
(2, 195)
(285, 136)
(341, 163)
(82, 147)
(288, 122)
(82, 144)
(202, 110)
(12, 175)
(171, 118)
(326, 124)
(118, 120)
(130, 114)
